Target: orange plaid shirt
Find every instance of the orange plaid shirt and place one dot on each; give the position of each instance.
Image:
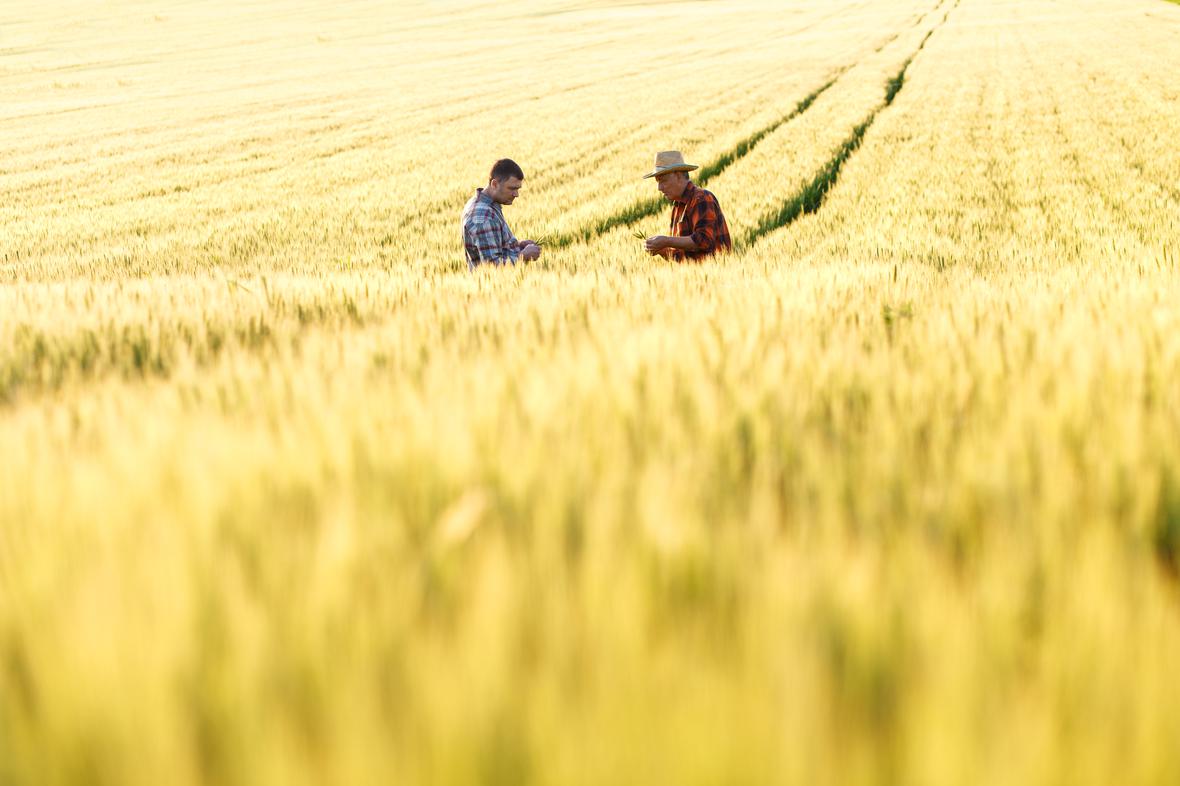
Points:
(698, 215)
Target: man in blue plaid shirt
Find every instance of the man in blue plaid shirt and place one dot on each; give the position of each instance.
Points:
(486, 236)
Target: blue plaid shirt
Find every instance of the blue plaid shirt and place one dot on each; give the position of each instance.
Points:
(486, 236)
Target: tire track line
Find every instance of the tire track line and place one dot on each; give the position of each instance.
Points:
(811, 197)
(646, 208)
(651, 206)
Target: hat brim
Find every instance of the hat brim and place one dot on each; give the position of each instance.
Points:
(678, 168)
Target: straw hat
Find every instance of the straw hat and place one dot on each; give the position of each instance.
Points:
(670, 161)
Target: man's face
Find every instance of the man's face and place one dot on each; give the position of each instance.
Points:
(505, 191)
(672, 184)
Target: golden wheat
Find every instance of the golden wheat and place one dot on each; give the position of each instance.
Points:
(889, 494)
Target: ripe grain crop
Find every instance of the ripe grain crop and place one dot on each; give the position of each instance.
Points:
(891, 494)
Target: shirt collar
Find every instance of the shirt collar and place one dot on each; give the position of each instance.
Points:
(689, 190)
(480, 196)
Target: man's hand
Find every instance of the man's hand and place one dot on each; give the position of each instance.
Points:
(530, 252)
(655, 244)
(521, 245)
(665, 245)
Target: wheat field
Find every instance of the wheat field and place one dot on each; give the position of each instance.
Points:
(890, 495)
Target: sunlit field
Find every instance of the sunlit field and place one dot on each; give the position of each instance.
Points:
(889, 495)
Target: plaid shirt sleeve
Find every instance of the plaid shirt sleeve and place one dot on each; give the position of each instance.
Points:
(487, 238)
(705, 220)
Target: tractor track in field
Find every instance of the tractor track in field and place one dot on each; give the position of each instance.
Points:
(646, 208)
(811, 196)
(649, 207)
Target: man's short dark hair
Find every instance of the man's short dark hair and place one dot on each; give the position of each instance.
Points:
(504, 169)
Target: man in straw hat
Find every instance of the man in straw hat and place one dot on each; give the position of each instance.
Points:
(698, 227)
(486, 236)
